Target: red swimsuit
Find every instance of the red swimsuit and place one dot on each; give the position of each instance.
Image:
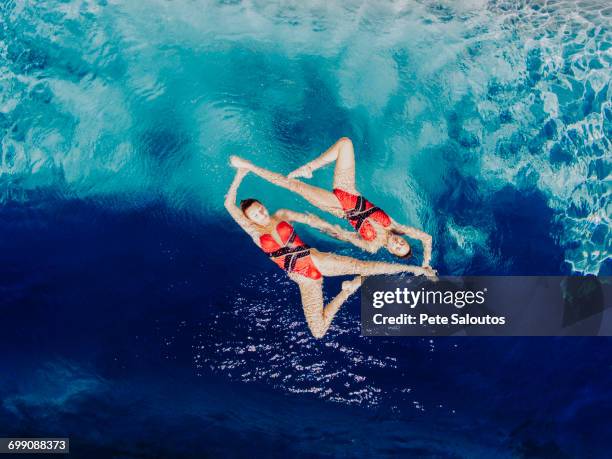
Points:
(293, 256)
(358, 210)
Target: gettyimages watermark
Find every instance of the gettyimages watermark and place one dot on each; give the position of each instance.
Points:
(487, 306)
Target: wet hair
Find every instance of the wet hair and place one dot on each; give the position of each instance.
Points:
(246, 203)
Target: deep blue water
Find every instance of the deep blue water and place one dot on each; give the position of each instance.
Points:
(139, 320)
(135, 345)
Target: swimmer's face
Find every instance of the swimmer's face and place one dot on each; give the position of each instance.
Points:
(257, 213)
(397, 246)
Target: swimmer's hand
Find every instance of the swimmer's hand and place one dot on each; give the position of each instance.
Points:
(239, 163)
(431, 273)
(304, 171)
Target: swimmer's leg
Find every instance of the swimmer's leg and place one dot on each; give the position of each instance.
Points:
(343, 153)
(318, 197)
(330, 264)
(319, 318)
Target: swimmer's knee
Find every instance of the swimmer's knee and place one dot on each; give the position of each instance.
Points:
(345, 141)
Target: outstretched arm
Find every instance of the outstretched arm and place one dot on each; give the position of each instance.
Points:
(331, 264)
(425, 239)
(334, 231)
(233, 209)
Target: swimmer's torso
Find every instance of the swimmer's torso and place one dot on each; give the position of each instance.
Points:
(287, 250)
(368, 220)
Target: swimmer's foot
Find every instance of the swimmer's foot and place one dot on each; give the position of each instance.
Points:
(240, 163)
(353, 285)
(304, 171)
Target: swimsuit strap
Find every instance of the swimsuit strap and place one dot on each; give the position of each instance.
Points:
(291, 254)
(291, 238)
(292, 259)
(288, 251)
(360, 205)
(359, 216)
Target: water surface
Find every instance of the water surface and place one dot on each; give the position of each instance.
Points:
(132, 303)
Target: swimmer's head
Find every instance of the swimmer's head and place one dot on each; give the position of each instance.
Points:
(255, 211)
(398, 246)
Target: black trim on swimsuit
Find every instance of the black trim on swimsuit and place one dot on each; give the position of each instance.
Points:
(288, 251)
(291, 261)
(291, 254)
(358, 214)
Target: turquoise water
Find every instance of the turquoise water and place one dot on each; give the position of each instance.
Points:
(132, 304)
(447, 102)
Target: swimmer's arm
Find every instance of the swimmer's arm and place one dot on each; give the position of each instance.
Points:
(332, 230)
(422, 236)
(233, 209)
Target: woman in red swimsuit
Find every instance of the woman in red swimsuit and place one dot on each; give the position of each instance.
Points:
(304, 265)
(373, 227)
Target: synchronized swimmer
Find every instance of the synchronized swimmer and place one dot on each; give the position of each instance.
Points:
(374, 228)
(307, 266)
